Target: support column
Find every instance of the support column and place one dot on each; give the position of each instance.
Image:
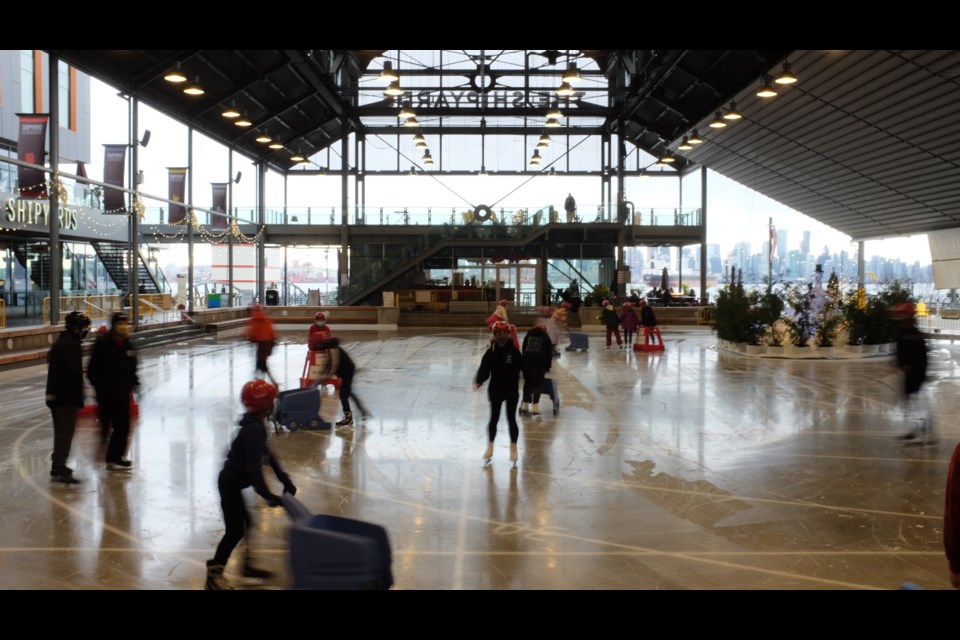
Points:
(860, 264)
(231, 220)
(190, 219)
(703, 234)
(342, 261)
(621, 173)
(133, 277)
(53, 220)
(262, 237)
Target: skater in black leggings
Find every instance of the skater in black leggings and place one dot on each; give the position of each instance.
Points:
(501, 363)
(339, 363)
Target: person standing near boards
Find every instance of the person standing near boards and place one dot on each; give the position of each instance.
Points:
(571, 206)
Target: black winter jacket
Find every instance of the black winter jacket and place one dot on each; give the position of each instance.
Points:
(65, 372)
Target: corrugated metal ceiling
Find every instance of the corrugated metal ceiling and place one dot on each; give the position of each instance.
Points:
(867, 142)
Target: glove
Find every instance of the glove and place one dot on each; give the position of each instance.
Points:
(289, 487)
(274, 500)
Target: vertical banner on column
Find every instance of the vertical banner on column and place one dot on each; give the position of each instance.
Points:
(219, 204)
(31, 147)
(114, 166)
(176, 186)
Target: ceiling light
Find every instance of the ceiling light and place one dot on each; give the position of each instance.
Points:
(717, 122)
(685, 145)
(406, 111)
(394, 89)
(572, 74)
(276, 144)
(732, 113)
(194, 88)
(695, 138)
(554, 111)
(545, 139)
(552, 123)
(426, 154)
(175, 75)
(421, 144)
(785, 76)
(411, 122)
(542, 145)
(566, 90)
(230, 112)
(666, 157)
(419, 137)
(243, 121)
(765, 90)
(661, 163)
(264, 138)
(297, 157)
(535, 159)
(388, 73)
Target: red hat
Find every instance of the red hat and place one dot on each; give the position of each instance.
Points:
(500, 325)
(320, 316)
(504, 302)
(258, 395)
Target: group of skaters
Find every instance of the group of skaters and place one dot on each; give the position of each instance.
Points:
(112, 371)
(501, 364)
(629, 318)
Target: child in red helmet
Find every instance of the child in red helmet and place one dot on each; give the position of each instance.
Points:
(318, 331)
(502, 364)
(244, 468)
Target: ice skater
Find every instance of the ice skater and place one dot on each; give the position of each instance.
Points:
(502, 364)
(244, 468)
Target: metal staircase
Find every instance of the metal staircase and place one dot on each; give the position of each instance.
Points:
(114, 258)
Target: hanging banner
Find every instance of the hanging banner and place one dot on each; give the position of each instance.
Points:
(114, 166)
(176, 186)
(31, 147)
(219, 204)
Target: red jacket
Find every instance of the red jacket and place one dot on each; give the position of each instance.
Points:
(317, 334)
(260, 328)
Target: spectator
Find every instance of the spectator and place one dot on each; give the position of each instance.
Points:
(65, 392)
(571, 207)
(113, 373)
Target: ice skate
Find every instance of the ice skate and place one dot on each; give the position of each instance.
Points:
(488, 454)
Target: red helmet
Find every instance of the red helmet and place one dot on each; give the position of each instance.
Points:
(504, 302)
(500, 325)
(258, 395)
(320, 315)
(541, 327)
(605, 303)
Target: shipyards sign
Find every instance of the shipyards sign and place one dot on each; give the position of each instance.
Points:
(36, 212)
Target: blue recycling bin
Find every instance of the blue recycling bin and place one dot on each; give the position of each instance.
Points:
(213, 301)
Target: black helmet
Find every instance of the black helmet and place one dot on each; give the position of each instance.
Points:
(76, 320)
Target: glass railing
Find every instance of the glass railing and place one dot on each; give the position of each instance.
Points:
(451, 216)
